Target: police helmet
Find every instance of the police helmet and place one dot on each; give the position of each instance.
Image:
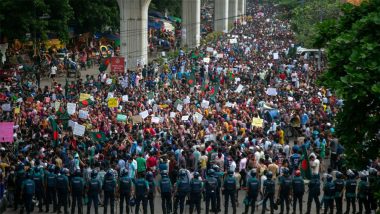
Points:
(20, 166)
(230, 172)
(182, 173)
(285, 171)
(51, 168)
(94, 173)
(339, 175)
(109, 173)
(211, 172)
(196, 174)
(215, 167)
(329, 178)
(164, 173)
(65, 171)
(269, 175)
(149, 175)
(253, 173)
(124, 172)
(363, 175)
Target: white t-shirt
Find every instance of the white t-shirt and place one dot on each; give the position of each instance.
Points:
(315, 166)
(54, 69)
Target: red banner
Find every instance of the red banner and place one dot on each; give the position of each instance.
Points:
(117, 64)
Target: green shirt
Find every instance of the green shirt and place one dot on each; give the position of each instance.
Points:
(141, 164)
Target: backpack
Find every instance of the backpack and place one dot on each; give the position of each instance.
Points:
(165, 185)
(51, 180)
(140, 187)
(254, 186)
(230, 183)
(125, 185)
(195, 186)
(29, 187)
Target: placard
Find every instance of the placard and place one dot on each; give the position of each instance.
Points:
(83, 96)
(206, 60)
(117, 64)
(6, 133)
(198, 117)
(112, 102)
(125, 98)
(155, 120)
(179, 107)
(121, 117)
(271, 91)
(144, 114)
(185, 118)
(209, 49)
(57, 104)
(257, 122)
(83, 114)
(79, 129)
(6, 107)
(172, 114)
(205, 104)
(137, 119)
(275, 56)
(71, 107)
(239, 88)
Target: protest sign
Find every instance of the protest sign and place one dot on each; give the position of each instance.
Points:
(209, 49)
(275, 55)
(155, 120)
(6, 107)
(83, 96)
(172, 114)
(117, 64)
(271, 91)
(71, 108)
(137, 119)
(257, 122)
(79, 129)
(205, 104)
(144, 114)
(83, 114)
(198, 117)
(17, 110)
(185, 118)
(6, 133)
(121, 117)
(57, 105)
(206, 60)
(239, 88)
(179, 107)
(125, 98)
(112, 102)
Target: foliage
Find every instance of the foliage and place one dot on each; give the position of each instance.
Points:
(305, 18)
(37, 17)
(95, 15)
(353, 52)
(174, 7)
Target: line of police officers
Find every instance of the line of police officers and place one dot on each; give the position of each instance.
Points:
(57, 185)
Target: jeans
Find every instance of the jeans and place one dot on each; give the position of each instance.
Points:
(109, 197)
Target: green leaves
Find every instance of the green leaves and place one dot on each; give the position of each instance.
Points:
(353, 53)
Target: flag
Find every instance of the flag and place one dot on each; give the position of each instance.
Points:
(86, 102)
(214, 91)
(63, 117)
(204, 86)
(98, 136)
(305, 164)
(191, 81)
(54, 128)
(231, 75)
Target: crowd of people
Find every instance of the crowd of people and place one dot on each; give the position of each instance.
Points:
(243, 113)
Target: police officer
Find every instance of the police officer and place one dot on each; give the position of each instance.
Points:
(285, 189)
(339, 186)
(165, 188)
(109, 187)
(20, 176)
(77, 188)
(351, 185)
(62, 190)
(314, 191)
(211, 186)
(329, 194)
(363, 190)
(152, 190)
(141, 191)
(229, 189)
(93, 190)
(181, 191)
(40, 187)
(373, 184)
(298, 187)
(269, 190)
(254, 186)
(218, 175)
(51, 184)
(125, 189)
(196, 188)
(28, 189)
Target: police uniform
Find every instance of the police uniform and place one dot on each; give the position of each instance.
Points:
(339, 186)
(314, 191)
(285, 187)
(28, 189)
(229, 187)
(93, 190)
(51, 194)
(141, 190)
(254, 187)
(329, 194)
(109, 187)
(125, 187)
(62, 192)
(182, 189)
(39, 193)
(196, 187)
(351, 185)
(211, 185)
(218, 175)
(166, 193)
(269, 188)
(152, 187)
(363, 190)
(298, 186)
(77, 187)
(20, 176)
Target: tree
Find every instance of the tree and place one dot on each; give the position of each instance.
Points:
(95, 16)
(306, 16)
(35, 17)
(173, 7)
(353, 53)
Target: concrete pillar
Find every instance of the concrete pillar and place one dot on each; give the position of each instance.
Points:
(191, 23)
(134, 31)
(232, 12)
(221, 16)
(241, 7)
